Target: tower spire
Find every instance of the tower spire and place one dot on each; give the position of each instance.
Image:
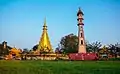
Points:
(80, 11)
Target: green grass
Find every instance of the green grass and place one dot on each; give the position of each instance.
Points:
(59, 67)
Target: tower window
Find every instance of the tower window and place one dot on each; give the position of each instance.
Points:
(82, 42)
(81, 35)
(81, 28)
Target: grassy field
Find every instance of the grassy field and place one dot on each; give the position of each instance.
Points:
(59, 67)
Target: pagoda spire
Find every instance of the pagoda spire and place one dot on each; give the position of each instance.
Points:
(44, 43)
(45, 22)
(44, 26)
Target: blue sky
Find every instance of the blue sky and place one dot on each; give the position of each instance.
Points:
(21, 21)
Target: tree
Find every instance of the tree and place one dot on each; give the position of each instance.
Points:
(4, 51)
(57, 50)
(114, 49)
(69, 44)
(25, 51)
(93, 47)
(35, 47)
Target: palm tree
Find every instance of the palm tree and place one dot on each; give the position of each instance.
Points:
(114, 49)
(93, 47)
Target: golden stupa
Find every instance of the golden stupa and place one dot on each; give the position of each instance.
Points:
(44, 43)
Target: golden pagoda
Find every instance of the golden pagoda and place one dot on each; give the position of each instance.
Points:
(44, 43)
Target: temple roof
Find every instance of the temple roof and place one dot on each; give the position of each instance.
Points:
(15, 50)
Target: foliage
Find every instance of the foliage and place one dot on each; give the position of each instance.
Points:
(114, 49)
(68, 44)
(35, 47)
(93, 47)
(25, 51)
(4, 51)
(57, 50)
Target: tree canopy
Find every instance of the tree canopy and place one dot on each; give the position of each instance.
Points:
(93, 47)
(35, 47)
(4, 51)
(114, 49)
(68, 44)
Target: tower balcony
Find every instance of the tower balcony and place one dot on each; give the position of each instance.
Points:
(80, 19)
(80, 24)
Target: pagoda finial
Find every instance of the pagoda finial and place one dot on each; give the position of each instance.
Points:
(45, 21)
(45, 26)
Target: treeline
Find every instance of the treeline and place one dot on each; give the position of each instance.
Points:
(69, 44)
